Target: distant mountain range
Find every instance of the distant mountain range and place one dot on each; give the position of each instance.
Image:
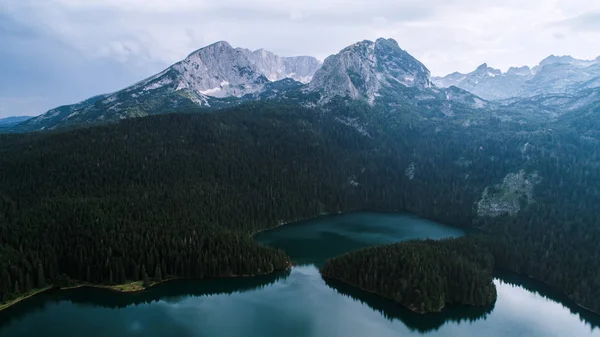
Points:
(378, 73)
(12, 121)
(554, 75)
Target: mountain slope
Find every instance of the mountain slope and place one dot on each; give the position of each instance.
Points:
(364, 68)
(379, 73)
(220, 76)
(555, 105)
(383, 75)
(12, 121)
(554, 75)
(212, 77)
(275, 68)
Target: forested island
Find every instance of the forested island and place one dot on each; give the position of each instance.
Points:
(423, 276)
(179, 195)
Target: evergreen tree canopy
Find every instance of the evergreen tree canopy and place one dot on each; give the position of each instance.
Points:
(181, 194)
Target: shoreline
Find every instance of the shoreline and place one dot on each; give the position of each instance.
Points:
(466, 228)
(588, 310)
(122, 288)
(137, 286)
(382, 296)
(283, 223)
(411, 309)
(25, 297)
(115, 288)
(551, 288)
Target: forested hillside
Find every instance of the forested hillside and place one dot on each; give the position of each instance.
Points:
(180, 194)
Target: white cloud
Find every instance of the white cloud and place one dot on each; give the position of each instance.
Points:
(446, 35)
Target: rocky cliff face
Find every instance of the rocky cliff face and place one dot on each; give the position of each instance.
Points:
(219, 70)
(275, 68)
(363, 69)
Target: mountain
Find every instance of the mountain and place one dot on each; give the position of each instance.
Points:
(555, 105)
(378, 73)
(12, 121)
(363, 69)
(275, 68)
(212, 77)
(553, 75)
(178, 194)
(220, 76)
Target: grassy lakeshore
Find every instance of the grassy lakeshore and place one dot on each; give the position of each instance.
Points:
(23, 297)
(128, 287)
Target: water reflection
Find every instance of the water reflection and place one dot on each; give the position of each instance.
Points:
(415, 322)
(299, 303)
(314, 241)
(171, 292)
(552, 296)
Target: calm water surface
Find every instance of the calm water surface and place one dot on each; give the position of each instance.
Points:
(298, 303)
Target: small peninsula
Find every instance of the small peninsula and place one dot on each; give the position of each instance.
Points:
(423, 276)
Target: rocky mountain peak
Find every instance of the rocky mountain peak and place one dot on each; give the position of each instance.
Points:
(552, 59)
(203, 78)
(218, 70)
(483, 66)
(553, 75)
(486, 70)
(520, 71)
(275, 68)
(362, 69)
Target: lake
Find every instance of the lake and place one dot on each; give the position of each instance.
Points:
(299, 302)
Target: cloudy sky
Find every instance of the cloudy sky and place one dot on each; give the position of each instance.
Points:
(58, 52)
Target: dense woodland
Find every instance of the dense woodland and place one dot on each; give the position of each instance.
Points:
(180, 195)
(421, 275)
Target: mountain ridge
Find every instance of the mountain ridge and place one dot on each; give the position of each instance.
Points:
(13, 120)
(363, 68)
(214, 76)
(219, 76)
(553, 75)
(378, 72)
